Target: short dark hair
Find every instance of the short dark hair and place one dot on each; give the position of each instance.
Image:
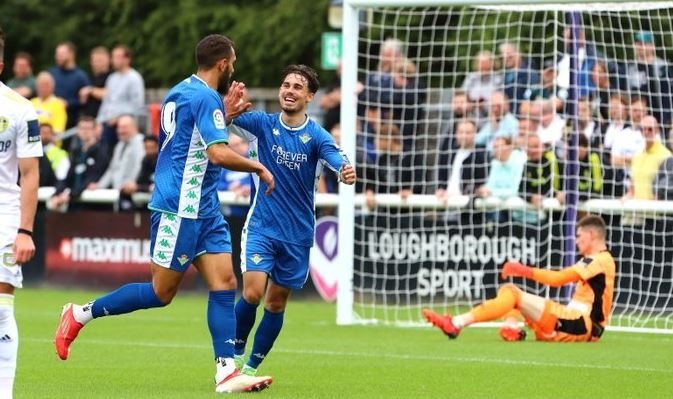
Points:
(593, 222)
(126, 49)
(307, 72)
(150, 138)
(582, 141)
(211, 49)
(2, 44)
(24, 55)
(87, 118)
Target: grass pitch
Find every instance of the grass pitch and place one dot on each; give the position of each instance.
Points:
(166, 353)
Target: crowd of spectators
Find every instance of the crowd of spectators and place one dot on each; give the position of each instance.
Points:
(509, 129)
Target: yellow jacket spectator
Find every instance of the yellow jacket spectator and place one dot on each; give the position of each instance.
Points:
(645, 164)
(50, 109)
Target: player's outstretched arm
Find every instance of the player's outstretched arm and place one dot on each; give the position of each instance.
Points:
(221, 154)
(24, 248)
(553, 278)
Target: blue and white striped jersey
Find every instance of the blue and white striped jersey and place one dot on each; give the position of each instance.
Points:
(185, 181)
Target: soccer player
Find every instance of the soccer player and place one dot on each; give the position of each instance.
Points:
(581, 320)
(279, 229)
(20, 148)
(186, 224)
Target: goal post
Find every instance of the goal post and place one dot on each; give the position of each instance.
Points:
(426, 248)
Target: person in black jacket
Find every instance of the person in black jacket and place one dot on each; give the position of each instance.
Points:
(88, 162)
(464, 169)
(145, 181)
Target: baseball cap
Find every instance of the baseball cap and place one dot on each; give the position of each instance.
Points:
(644, 37)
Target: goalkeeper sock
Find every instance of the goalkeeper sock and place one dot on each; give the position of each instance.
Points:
(266, 335)
(245, 319)
(9, 345)
(126, 299)
(222, 323)
(497, 307)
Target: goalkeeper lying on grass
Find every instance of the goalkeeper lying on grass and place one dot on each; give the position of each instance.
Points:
(583, 319)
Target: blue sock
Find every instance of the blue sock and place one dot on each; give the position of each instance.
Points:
(126, 299)
(245, 320)
(222, 322)
(266, 335)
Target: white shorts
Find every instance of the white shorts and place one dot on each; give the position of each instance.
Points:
(10, 272)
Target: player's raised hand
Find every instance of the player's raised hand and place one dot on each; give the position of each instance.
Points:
(516, 269)
(348, 174)
(23, 249)
(236, 101)
(267, 178)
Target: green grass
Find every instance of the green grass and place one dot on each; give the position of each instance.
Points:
(165, 353)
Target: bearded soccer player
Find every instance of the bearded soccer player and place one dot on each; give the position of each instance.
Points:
(20, 148)
(186, 224)
(279, 229)
(583, 319)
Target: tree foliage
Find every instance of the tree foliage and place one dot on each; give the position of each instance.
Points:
(269, 34)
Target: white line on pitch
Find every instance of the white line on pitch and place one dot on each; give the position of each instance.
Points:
(396, 356)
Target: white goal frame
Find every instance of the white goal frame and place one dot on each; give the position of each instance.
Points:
(348, 201)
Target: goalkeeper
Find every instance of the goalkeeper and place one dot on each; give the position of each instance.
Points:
(581, 320)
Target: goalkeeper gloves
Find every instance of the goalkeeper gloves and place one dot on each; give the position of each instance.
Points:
(516, 269)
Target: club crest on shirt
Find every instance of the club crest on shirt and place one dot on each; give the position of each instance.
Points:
(256, 258)
(183, 259)
(305, 138)
(4, 123)
(218, 119)
(275, 132)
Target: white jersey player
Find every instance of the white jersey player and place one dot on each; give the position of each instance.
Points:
(20, 148)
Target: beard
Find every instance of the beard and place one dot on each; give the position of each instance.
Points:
(223, 82)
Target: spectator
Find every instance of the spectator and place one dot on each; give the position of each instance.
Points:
(461, 109)
(663, 184)
(547, 89)
(88, 160)
(645, 164)
(615, 177)
(124, 95)
(588, 126)
(144, 183)
(590, 183)
(54, 165)
(552, 126)
(377, 84)
(69, 80)
(506, 170)
(408, 102)
(605, 87)
(540, 180)
(126, 159)
(649, 76)
(527, 126)
(239, 183)
(587, 56)
(616, 121)
(518, 74)
(91, 96)
(501, 122)
(463, 171)
(50, 109)
(481, 83)
(23, 81)
(392, 173)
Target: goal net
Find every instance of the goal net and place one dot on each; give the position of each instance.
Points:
(482, 134)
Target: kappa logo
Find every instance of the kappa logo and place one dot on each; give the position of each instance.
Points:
(183, 259)
(256, 258)
(275, 132)
(305, 138)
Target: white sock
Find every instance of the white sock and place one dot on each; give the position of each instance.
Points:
(224, 367)
(458, 321)
(82, 313)
(9, 345)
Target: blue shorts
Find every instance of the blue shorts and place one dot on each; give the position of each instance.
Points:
(285, 263)
(175, 242)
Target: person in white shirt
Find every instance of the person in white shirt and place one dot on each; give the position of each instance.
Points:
(20, 149)
(552, 125)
